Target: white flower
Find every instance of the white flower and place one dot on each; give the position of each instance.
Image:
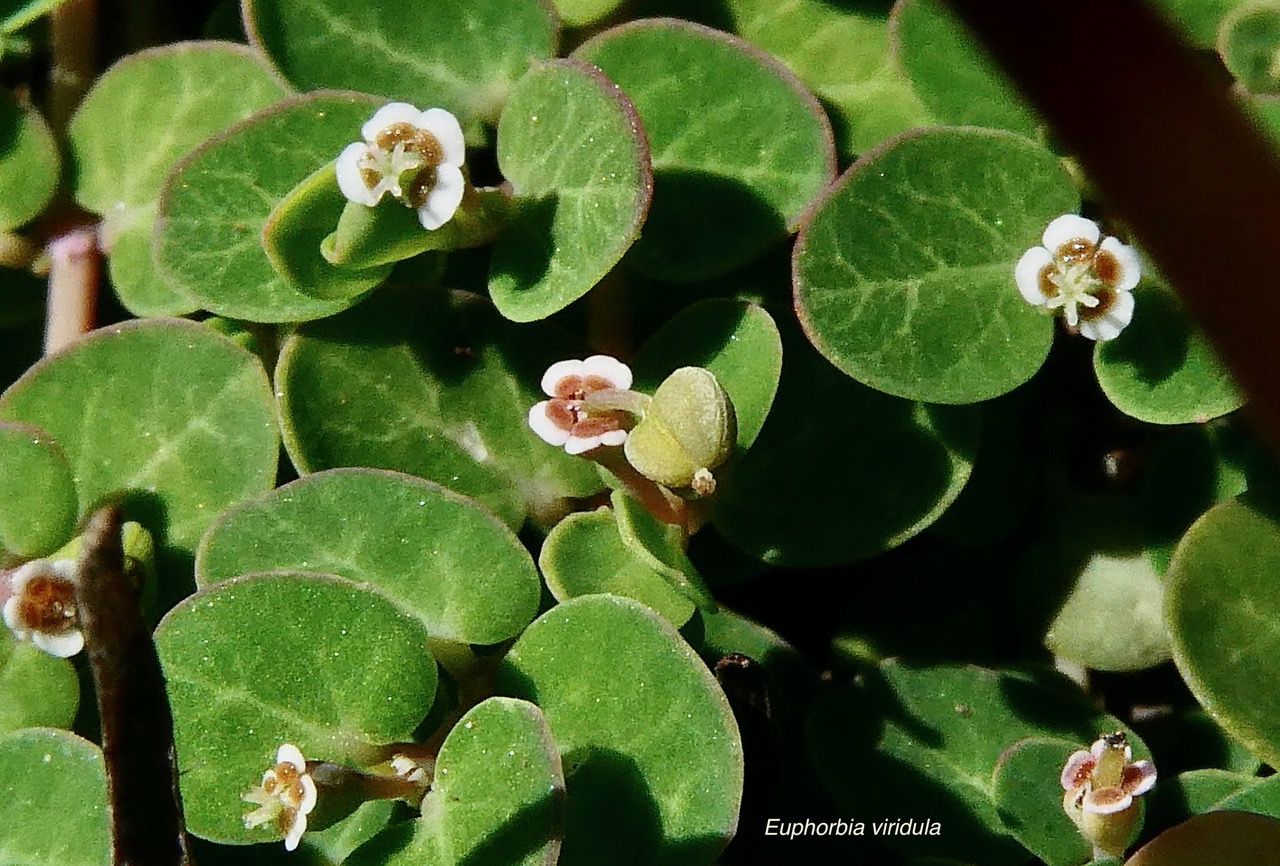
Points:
(1105, 779)
(42, 608)
(287, 795)
(569, 418)
(416, 156)
(1092, 283)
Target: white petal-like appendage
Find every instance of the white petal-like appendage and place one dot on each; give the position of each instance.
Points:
(64, 568)
(347, 168)
(1106, 801)
(606, 367)
(1069, 227)
(548, 431)
(446, 129)
(392, 112)
(64, 645)
(1130, 265)
(1027, 275)
(1079, 765)
(309, 795)
(1098, 330)
(20, 578)
(558, 371)
(581, 444)
(11, 617)
(291, 754)
(443, 200)
(296, 829)
(1139, 777)
(1121, 311)
(613, 437)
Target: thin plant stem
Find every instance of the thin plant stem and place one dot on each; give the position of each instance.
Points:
(74, 270)
(74, 34)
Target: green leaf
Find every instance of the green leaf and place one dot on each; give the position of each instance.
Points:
(42, 517)
(435, 386)
(413, 541)
(497, 798)
(572, 147)
(334, 844)
(1262, 798)
(54, 805)
(167, 412)
(1197, 791)
(951, 74)
(461, 55)
(904, 272)
(215, 201)
(1216, 837)
(585, 554)
(1201, 18)
(924, 742)
(1249, 44)
(144, 114)
(660, 546)
(842, 54)
(1221, 608)
(292, 235)
(731, 175)
(1029, 798)
(888, 467)
(261, 660)
(16, 14)
(652, 756)
(36, 689)
(736, 340)
(1161, 369)
(579, 13)
(29, 163)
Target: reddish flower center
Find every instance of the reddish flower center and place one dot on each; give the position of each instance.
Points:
(48, 604)
(567, 409)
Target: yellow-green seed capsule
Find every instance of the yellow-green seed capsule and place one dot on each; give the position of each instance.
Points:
(689, 429)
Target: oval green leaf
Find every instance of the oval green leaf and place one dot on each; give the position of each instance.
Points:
(1028, 796)
(413, 541)
(584, 554)
(166, 411)
(887, 467)
(29, 163)
(731, 175)
(36, 689)
(573, 150)
(41, 519)
(660, 546)
(216, 200)
(904, 272)
(461, 55)
(257, 661)
(53, 800)
(954, 78)
(652, 756)
(1221, 608)
(497, 798)
(1161, 369)
(1249, 42)
(143, 115)
(736, 340)
(435, 386)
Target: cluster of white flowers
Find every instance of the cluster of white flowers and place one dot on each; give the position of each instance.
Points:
(1090, 282)
(286, 795)
(416, 156)
(41, 606)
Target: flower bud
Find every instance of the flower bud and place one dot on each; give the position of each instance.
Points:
(689, 429)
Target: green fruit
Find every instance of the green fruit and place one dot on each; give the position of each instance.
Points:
(689, 429)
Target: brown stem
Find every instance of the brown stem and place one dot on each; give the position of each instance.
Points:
(609, 316)
(74, 35)
(74, 270)
(656, 499)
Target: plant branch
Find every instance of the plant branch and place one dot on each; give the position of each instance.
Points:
(74, 270)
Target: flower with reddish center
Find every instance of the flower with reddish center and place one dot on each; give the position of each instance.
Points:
(588, 405)
(1091, 282)
(286, 796)
(416, 156)
(1101, 785)
(42, 608)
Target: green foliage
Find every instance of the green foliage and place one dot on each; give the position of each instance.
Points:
(903, 272)
(29, 163)
(285, 657)
(142, 116)
(730, 176)
(1249, 42)
(1025, 787)
(36, 689)
(575, 154)
(43, 770)
(41, 520)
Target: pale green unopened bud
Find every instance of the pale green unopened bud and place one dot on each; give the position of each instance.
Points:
(689, 429)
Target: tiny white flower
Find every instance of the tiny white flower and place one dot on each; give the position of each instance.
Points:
(567, 419)
(410, 770)
(1105, 778)
(42, 607)
(1091, 282)
(286, 795)
(416, 156)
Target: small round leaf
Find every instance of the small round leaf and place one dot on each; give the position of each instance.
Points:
(29, 162)
(41, 515)
(53, 800)
(1028, 796)
(36, 689)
